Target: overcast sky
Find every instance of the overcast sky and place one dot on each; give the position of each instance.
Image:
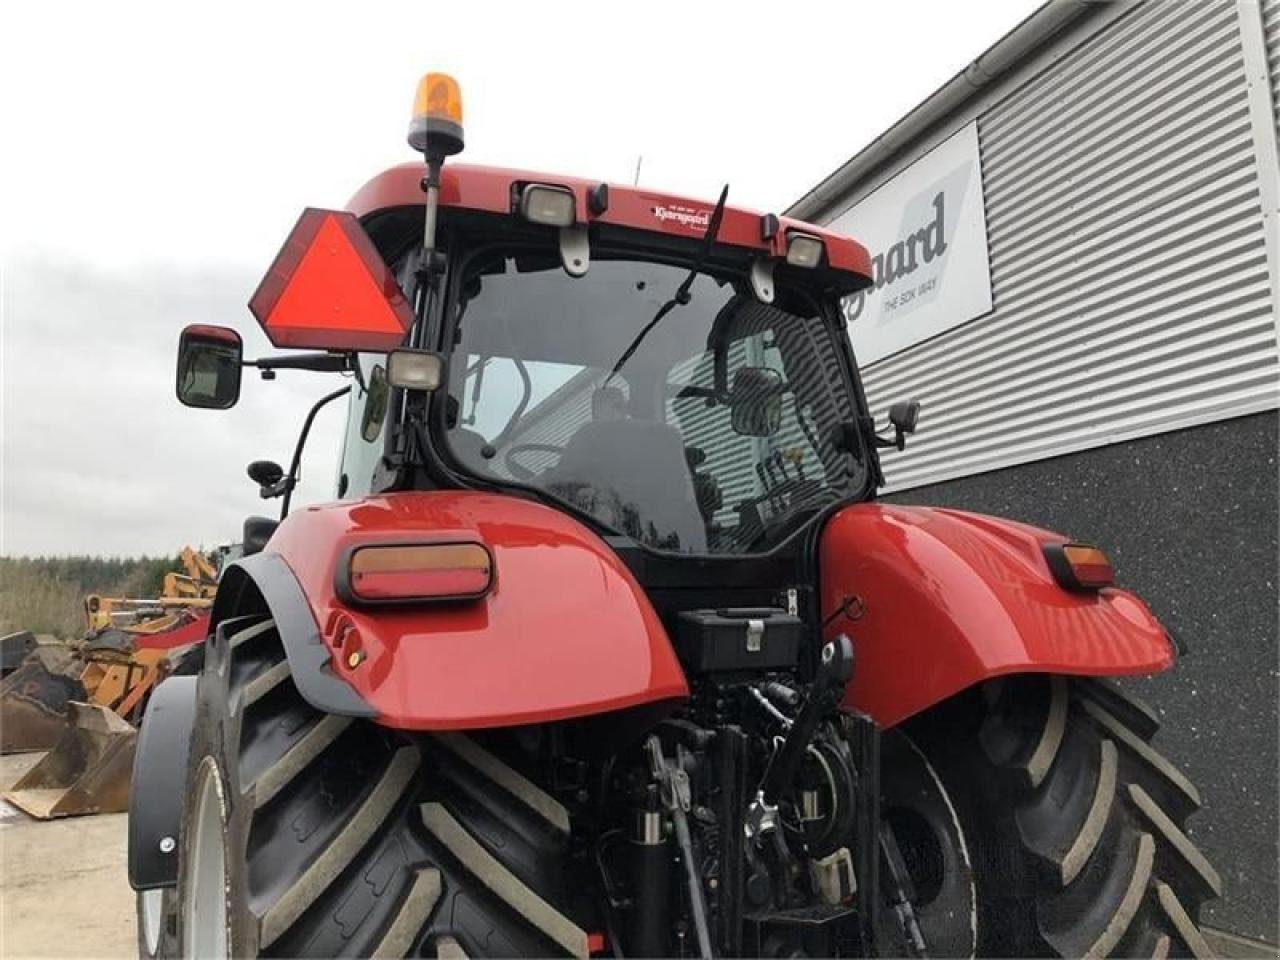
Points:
(155, 156)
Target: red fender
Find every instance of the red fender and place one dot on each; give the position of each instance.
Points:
(938, 600)
(565, 632)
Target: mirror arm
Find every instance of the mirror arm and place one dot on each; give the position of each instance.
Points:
(290, 479)
(321, 362)
(867, 426)
(899, 440)
(278, 489)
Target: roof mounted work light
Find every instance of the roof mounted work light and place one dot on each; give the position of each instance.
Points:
(548, 205)
(804, 250)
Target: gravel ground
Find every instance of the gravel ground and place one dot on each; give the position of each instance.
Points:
(63, 888)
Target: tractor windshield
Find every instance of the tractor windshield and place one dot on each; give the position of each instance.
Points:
(707, 428)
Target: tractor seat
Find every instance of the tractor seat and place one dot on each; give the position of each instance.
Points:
(465, 444)
(629, 472)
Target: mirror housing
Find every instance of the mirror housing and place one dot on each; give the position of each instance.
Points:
(904, 415)
(209, 367)
(755, 402)
(270, 478)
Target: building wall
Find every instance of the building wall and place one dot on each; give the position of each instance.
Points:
(1271, 30)
(1130, 276)
(1123, 388)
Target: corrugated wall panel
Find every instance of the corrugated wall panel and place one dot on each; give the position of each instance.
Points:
(1271, 29)
(1129, 274)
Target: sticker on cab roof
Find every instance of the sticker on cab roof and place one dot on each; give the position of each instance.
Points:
(691, 217)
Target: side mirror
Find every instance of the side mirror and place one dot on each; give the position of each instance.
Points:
(904, 415)
(209, 360)
(755, 402)
(269, 476)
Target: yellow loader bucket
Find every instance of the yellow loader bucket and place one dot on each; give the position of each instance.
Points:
(87, 771)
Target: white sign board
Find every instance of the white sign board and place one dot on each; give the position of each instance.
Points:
(926, 231)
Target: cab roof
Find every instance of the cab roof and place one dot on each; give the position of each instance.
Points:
(495, 190)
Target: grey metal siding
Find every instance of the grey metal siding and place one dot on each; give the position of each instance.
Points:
(1271, 32)
(1129, 274)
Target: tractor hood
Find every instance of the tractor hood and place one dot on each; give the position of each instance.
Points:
(938, 600)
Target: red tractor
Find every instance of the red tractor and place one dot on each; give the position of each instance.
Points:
(606, 647)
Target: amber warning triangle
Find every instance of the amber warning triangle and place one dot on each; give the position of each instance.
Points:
(328, 289)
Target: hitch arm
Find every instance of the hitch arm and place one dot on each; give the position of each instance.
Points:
(833, 674)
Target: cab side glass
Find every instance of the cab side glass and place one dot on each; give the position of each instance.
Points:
(209, 360)
(755, 402)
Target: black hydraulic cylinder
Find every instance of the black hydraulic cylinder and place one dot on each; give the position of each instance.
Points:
(864, 737)
(649, 921)
(731, 768)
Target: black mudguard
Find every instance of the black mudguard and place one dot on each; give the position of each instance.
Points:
(159, 784)
(270, 576)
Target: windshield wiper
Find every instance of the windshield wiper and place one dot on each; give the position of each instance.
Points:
(682, 295)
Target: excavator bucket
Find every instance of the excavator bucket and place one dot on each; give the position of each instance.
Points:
(14, 648)
(87, 771)
(34, 700)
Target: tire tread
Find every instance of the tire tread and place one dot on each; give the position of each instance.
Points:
(1111, 887)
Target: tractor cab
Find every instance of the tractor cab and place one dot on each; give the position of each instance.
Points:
(674, 373)
(702, 422)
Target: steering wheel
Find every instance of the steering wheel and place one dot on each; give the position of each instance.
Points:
(524, 473)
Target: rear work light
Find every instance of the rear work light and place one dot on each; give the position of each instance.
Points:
(804, 250)
(405, 573)
(549, 206)
(1079, 566)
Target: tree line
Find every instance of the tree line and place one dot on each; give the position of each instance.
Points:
(44, 594)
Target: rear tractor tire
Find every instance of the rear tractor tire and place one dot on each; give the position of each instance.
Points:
(1072, 825)
(316, 835)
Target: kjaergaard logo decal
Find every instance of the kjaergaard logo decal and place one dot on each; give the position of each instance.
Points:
(685, 216)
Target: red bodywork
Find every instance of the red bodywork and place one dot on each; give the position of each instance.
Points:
(935, 600)
(565, 632)
(193, 628)
(490, 189)
(940, 600)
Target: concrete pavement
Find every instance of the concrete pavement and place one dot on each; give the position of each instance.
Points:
(63, 888)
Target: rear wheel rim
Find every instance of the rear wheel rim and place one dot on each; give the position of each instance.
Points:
(204, 908)
(151, 903)
(932, 841)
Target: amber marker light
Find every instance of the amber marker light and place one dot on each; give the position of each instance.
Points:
(415, 573)
(1080, 566)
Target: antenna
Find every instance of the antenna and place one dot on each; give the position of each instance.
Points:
(639, 160)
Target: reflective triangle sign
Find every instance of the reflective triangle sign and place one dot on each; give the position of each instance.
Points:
(328, 289)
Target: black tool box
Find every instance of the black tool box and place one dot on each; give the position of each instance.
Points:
(738, 638)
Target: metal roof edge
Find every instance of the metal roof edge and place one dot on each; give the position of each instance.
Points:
(1028, 36)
